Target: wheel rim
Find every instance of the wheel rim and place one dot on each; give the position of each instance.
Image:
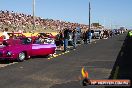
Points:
(21, 56)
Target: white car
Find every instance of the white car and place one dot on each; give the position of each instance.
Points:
(96, 34)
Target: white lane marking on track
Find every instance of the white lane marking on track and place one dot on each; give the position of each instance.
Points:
(4, 65)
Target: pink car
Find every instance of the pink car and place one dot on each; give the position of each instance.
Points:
(16, 49)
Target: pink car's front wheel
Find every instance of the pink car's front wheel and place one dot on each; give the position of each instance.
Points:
(21, 56)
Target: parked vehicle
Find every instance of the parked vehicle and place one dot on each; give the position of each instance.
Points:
(20, 49)
(15, 35)
(48, 38)
(96, 34)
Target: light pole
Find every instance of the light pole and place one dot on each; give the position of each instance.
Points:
(33, 15)
(89, 16)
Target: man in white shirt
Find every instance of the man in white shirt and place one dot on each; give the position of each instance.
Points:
(5, 34)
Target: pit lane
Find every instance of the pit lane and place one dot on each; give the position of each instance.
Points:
(58, 53)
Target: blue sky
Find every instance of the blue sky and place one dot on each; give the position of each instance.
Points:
(111, 13)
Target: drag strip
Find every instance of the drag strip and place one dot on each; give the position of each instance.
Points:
(59, 53)
(64, 70)
(9, 63)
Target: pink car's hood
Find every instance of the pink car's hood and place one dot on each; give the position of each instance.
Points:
(2, 47)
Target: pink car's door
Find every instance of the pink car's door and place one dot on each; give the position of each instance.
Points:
(40, 49)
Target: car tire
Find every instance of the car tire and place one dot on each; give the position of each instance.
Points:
(21, 57)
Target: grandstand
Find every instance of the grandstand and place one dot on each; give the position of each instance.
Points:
(20, 21)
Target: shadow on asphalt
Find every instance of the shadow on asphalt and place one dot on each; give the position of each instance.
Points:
(6, 61)
(41, 56)
(12, 61)
(123, 66)
(72, 84)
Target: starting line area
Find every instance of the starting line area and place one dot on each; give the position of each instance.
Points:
(5, 64)
(8, 63)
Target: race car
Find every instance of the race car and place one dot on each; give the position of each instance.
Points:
(15, 35)
(46, 37)
(21, 49)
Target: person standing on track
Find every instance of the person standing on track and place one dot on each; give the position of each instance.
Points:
(74, 37)
(60, 40)
(89, 36)
(85, 37)
(66, 37)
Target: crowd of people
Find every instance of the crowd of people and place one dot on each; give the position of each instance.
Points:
(64, 36)
(86, 36)
(64, 39)
(24, 22)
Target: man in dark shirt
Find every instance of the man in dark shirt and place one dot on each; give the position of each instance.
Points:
(66, 37)
(74, 37)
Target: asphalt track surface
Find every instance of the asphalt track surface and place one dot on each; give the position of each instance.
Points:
(100, 59)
